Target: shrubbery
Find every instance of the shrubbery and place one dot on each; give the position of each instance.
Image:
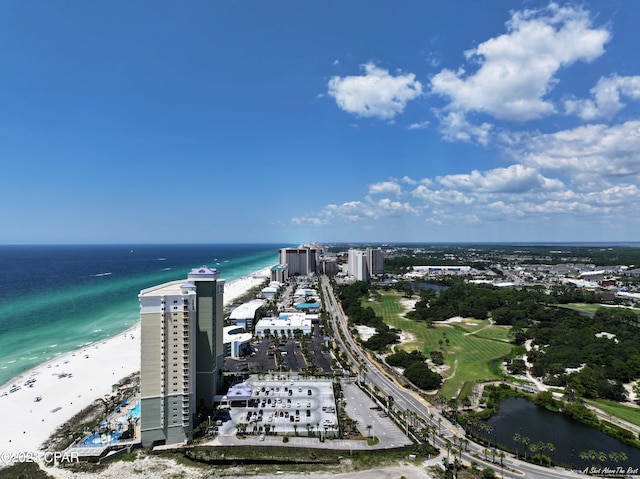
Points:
(423, 377)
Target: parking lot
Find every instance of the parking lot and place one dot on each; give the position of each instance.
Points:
(292, 358)
(300, 407)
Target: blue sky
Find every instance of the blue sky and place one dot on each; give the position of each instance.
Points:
(285, 121)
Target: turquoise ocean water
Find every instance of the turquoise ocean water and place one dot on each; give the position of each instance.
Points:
(56, 299)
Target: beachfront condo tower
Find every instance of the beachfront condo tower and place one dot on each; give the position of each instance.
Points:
(302, 260)
(182, 354)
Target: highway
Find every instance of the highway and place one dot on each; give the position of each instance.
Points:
(405, 400)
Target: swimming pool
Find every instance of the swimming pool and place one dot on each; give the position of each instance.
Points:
(96, 440)
(134, 413)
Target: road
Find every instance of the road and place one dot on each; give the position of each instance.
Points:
(405, 400)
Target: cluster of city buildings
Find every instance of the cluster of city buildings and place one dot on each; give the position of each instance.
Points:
(310, 260)
(184, 342)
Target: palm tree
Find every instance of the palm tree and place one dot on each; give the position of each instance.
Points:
(517, 438)
(584, 455)
(501, 456)
(534, 449)
(550, 448)
(602, 457)
(362, 370)
(525, 441)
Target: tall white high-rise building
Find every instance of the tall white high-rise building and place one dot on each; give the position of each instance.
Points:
(364, 264)
(357, 264)
(182, 354)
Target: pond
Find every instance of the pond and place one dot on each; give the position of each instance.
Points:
(569, 438)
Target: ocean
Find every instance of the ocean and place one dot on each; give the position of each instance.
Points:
(56, 299)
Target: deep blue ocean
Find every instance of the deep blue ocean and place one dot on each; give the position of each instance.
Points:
(56, 299)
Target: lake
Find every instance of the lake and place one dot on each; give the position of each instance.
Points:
(569, 438)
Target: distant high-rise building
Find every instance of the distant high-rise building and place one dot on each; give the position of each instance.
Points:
(357, 264)
(375, 261)
(328, 265)
(364, 264)
(300, 261)
(279, 273)
(182, 354)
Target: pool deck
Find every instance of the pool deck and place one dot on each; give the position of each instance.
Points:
(116, 421)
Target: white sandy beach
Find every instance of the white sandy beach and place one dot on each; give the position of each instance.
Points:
(25, 424)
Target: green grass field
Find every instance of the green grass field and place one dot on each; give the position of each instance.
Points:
(590, 308)
(468, 356)
(625, 413)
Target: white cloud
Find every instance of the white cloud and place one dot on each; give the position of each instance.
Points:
(606, 101)
(387, 207)
(439, 197)
(514, 179)
(515, 195)
(385, 187)
(418, 126)
(376, 94)
(350, 211)
(590, 153)
(408, 180)
(299, 220)
(517, 69)
(455, 127)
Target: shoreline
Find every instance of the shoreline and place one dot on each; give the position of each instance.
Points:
(72, 381)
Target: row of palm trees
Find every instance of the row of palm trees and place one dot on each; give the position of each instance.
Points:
(535, 448)
(601, 457)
